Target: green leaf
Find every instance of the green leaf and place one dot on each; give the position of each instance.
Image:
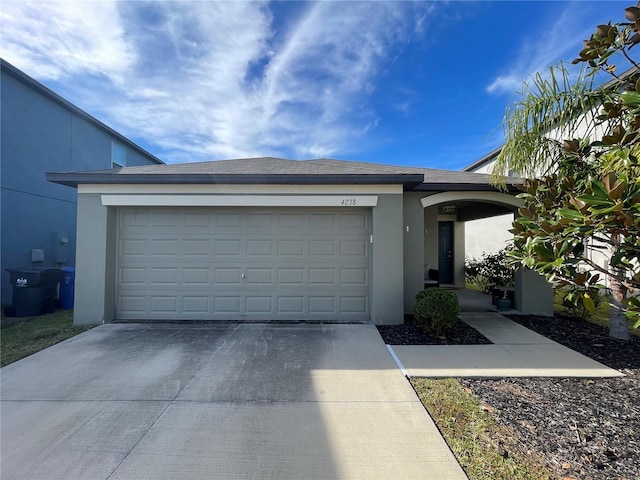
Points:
(631, 99)
(569, 213)
(588, 302)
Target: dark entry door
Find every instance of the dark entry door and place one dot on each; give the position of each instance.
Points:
(445, 251)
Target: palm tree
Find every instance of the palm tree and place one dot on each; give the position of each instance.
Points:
(578, 141)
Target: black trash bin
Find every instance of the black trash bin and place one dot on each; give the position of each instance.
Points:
(34, 290)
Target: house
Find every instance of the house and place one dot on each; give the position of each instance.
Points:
(40, 131)
(262, 239)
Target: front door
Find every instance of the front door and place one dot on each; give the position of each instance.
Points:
(445, 252)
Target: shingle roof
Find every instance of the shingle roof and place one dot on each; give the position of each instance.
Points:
(278, 170)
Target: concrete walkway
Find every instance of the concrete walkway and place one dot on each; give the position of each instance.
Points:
(217, 402)
(516, 352)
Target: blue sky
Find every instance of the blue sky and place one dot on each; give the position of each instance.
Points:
(413, 83)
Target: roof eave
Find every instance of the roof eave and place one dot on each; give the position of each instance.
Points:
(465, 187)
(73, 179)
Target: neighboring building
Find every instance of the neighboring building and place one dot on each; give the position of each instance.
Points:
(40, 132)
(312, 240)
(492, 234)
(487, 235)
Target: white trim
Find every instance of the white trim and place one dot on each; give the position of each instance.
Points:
(342, 201)
(488, 197)
(241, 189)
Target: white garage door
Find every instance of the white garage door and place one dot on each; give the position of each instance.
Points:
(237, 263)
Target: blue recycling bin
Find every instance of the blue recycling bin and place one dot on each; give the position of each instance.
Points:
(67, 287)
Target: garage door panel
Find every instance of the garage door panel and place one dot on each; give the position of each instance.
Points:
(259, 247)
(259, 276)
(322, 305)
(227, 304)
(285, 220)
(353, 248)
(197, 219)
(291, 247)
(353, 276)
(353, 304)
(355, 221)
(290, 276)
(227, 246)
(259, 304)
(320, 222)
(322, 247)
(322, 276)
(291, 304)
(200, 247)
(195, 304)
(133, 304)
(130, 246)
(243, 264)
(164, 304)
(227, 276)
(193, 276)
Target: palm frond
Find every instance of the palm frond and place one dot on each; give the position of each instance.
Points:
(551, 109)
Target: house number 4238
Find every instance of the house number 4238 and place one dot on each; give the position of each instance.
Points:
(348, 202)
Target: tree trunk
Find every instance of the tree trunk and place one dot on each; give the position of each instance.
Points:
(618, 325)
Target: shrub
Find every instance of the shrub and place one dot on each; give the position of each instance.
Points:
(436, 311)
(490, 270)
(575, 306)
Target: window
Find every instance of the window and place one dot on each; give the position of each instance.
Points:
(118, 155)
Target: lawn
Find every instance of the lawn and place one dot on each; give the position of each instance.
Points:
(21, 337)
(471, 434)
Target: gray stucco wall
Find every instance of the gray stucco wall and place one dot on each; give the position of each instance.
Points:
(458, 254)
(431, 236)
(387, 298)
(96, 243)
(39, 135)
(533, 294)
(414, 238)
(95, 263)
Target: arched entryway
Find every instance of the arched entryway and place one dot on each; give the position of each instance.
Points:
(446, 214)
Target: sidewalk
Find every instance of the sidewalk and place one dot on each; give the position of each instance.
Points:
(516, 351)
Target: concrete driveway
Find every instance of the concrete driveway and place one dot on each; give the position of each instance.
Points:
(217, 401)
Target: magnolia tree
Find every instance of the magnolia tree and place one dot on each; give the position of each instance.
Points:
(578, 143)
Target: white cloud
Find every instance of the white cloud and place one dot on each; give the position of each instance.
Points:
(206, 80)
(56, 40)
(559, 41)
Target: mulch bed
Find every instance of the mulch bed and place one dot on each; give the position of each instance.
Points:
(411, 334)
(587, 429)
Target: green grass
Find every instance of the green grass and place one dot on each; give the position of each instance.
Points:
(485, 449)
(600, 316)
(24, 336)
